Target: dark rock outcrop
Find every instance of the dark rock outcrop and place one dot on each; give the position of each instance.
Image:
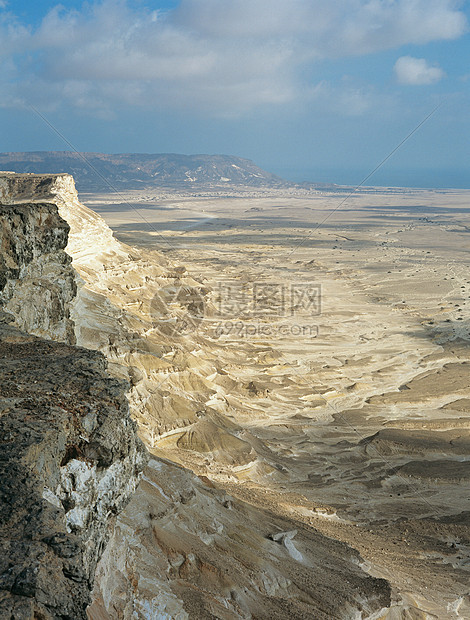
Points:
(69, 462)
(37, 281)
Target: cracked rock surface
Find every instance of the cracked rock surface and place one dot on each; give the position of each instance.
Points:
(37, 281)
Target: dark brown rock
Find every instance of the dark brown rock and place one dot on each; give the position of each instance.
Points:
(63, 478)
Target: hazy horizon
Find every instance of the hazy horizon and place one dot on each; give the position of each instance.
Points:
(384, 177)
(425, 179)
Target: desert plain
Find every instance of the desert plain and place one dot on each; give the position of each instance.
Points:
(338, 325)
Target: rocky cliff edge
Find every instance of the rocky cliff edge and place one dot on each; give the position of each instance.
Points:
(70, 459)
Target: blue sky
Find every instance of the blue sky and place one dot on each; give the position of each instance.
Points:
(311, 89)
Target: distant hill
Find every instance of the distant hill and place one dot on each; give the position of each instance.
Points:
(139, 170)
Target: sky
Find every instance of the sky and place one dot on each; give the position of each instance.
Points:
(313, 90)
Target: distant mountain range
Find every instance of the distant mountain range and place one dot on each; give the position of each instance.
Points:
(99, 171)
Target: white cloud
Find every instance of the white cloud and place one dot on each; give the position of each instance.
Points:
(225, 56)
(417, 71)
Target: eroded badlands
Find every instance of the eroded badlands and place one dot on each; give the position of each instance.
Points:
(350, 416)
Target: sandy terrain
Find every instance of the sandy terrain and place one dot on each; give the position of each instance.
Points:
(321, 366)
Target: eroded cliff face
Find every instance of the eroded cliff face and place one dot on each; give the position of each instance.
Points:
(112, 309)
(183, 549)
(37, 282)
(70, 459)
